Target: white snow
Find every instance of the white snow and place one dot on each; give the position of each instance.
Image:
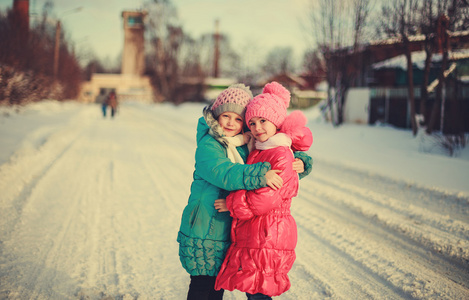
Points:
(90, 208)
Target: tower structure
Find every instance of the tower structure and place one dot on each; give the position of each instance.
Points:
(21, 17)
(130, 84)
(133, 56)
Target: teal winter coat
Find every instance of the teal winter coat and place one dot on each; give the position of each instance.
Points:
(204, 234)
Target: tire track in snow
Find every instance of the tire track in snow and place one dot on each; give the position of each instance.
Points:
(118, 256)
(170, 171)
(50, 223)
(60, 247)
(406, 207)
(157, 213)
(332, 274)
(50, 256)
(439, 233)
(442, 202)
(322, 251)
(171, 124)
(333, 218)
(18, 186)
(392, 266)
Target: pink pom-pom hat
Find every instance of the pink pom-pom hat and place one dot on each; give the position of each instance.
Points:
(272, 104)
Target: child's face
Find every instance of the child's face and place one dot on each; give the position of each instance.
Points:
(262, 129)
(231, 122)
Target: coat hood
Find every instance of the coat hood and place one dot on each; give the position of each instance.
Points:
(210, 127)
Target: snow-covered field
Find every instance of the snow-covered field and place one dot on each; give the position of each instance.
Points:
(90, 208)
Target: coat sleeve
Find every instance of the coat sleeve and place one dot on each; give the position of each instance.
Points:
(307, 161)
(238, 206)
(247, 204)
(213, 165)
(244, 205)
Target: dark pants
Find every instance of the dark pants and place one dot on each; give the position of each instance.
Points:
(104, 108)
(203, 288)
(258, 296)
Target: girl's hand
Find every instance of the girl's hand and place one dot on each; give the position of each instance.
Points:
(249, 140)
(220, 205)
(274, 180)
(298, 166)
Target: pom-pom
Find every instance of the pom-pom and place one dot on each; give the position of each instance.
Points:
(295, 127)
(293, 122)
(278, 90)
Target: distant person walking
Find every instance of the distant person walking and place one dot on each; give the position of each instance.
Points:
(103, 99)
(112, 103)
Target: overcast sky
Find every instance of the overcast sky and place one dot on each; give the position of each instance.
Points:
(264, 24)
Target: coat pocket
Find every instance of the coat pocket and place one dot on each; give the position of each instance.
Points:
(193, 216)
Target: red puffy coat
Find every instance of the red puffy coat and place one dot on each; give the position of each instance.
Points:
(263, 232)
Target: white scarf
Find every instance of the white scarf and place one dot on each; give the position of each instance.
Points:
(279, 139)
(233, 142)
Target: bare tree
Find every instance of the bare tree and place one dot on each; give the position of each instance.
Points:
(452, 16)
(458, 12)
(442, 41)
(401, 22)
(174, 54)
(314, 66)
(190, 58)
(228, 59)
(165, 38)
(429, 14)
(279, 61)
(249, 71)
(338, 27)
(26, 53)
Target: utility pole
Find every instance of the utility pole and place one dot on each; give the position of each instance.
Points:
(58, 27)
(57, 49)
(217, 50)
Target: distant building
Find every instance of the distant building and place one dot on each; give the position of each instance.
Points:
(133, 57)
(378, 92)
(131, 84)
(303, 95)
(388, 98)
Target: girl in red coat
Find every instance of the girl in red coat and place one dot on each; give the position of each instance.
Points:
(263, 231)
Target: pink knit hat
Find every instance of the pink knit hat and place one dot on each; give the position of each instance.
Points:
(272, 104)
(234, 99)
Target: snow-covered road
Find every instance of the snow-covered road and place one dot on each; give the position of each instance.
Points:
(90, 209)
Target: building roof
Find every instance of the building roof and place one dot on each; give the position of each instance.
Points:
(418, 60)
(219, 81)
(287, 79)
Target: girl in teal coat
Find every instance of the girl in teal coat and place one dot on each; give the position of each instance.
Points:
(204, 234)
